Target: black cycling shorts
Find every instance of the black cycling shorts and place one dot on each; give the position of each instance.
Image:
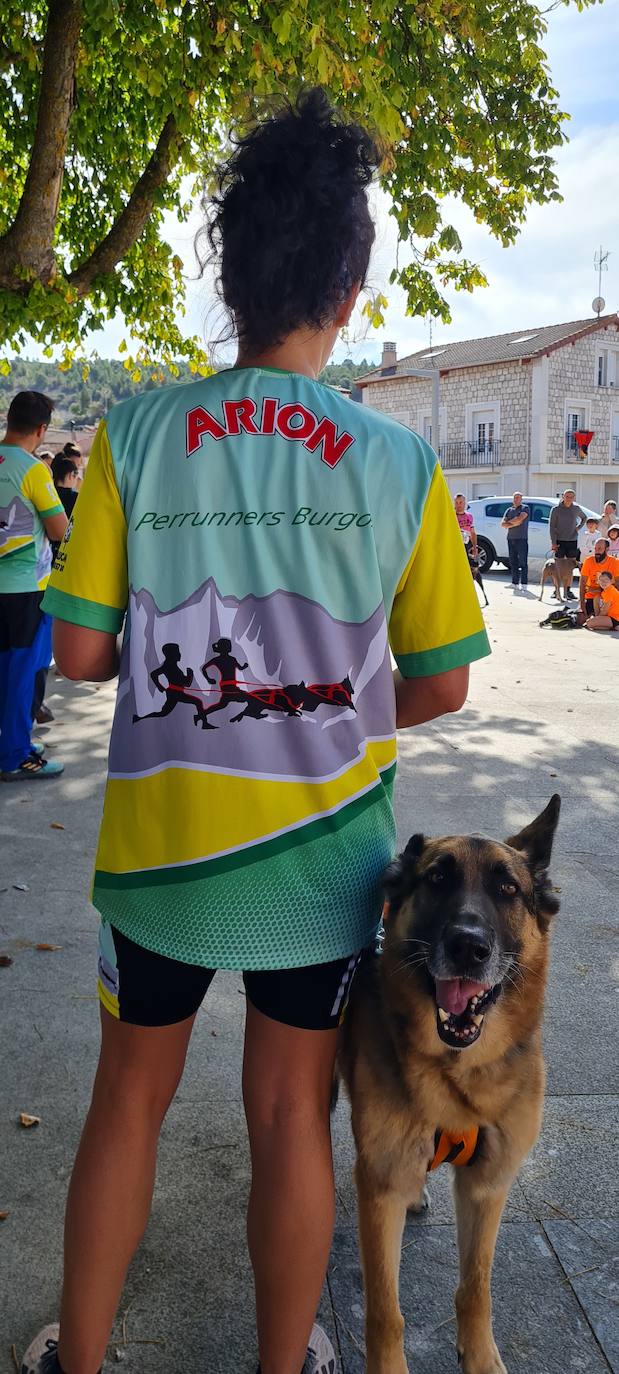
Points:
(148, 989)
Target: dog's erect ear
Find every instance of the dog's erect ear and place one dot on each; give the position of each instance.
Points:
(399, 876)
(535, 841)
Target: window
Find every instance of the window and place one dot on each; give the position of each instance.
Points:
(575, 418)
(495, 510)
(611, 491)
(540, 513)
(525, 338)
(482, 428)
(606, 367)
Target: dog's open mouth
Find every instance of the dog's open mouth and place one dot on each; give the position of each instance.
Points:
(460, 1009)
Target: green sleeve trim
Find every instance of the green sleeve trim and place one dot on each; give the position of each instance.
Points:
(430, 661)
(52, 510)
(92, 615)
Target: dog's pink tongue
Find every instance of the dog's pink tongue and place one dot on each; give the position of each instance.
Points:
(454, 994)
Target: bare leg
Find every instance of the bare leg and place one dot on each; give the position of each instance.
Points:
(381, 1223)
(287, 1079)
(478, 1213)
(112, 1183)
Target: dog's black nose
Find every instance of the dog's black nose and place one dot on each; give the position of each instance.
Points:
(468, 943)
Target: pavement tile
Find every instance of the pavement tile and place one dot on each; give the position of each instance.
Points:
(539, 1324)
(589, 1253)
(567, 1174)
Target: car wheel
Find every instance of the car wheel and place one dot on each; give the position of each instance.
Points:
(485, 554)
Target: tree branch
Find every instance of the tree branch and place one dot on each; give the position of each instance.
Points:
(27, 247)
(127, 228)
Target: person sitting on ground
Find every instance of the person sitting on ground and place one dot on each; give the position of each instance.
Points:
(566, 519)
(465, 521)
(608, 516)
(613, 541)
(606, 616)
(590, 574)
(588, 537)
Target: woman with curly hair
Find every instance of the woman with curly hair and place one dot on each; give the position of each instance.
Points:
(266, 527)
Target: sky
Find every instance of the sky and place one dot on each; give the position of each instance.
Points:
(548, 276)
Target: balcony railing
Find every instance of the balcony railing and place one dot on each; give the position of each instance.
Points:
(464, 454)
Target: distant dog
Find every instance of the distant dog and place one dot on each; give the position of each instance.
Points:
(441, 1055)
(560, 571)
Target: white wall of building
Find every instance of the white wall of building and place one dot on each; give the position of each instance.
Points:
(528, 405)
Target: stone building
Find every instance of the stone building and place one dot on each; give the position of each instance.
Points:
(510, 406)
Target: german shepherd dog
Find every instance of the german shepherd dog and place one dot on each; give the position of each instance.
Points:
(442, 1060)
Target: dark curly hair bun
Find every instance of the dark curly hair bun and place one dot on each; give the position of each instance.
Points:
(290, 224)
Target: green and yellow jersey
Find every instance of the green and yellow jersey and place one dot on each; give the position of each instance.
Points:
(27, 497)
(268, 542)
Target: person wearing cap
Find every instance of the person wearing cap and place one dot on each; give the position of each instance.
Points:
(566, 519)
(590, 572)
(45, 456)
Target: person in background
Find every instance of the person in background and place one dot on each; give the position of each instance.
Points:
(30, 515)
(72, 451)
(613, 541)
(588, 536)
(608, 516)
(65, 473)
(465, 521)
(298, 916)
(590, 573)
(45, 456)
(516, 522)
(566, 519)
(606, 616)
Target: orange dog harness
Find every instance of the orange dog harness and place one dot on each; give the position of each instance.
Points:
(457, 1148)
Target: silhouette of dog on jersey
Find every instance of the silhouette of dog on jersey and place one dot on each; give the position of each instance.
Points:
(296, 699)
(176, 686)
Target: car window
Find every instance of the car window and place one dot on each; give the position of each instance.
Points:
(539, 513)
(496, 509)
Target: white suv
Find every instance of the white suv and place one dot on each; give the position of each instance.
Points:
(488, 512)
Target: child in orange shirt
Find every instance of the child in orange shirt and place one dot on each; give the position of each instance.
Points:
(590, 572)
(606, 606)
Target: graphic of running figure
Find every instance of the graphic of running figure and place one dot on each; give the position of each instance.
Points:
(228, 667)
(176, 683)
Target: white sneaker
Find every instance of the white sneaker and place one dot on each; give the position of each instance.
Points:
(40, 1356)
(320, 1354)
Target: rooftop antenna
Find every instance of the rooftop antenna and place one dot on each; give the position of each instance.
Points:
(600, 262)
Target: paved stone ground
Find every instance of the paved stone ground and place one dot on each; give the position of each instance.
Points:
(542, 716)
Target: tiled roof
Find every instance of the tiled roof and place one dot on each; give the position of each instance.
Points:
(498, 348)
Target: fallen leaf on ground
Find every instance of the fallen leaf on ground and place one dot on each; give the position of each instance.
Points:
(5, 961)
(55, 825)
(51, 948)
(21, 887)
(25, 1119)
(553, 775)
(4, 1215)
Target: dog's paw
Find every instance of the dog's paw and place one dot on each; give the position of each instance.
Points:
(481, 1362)
(423, 1204)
